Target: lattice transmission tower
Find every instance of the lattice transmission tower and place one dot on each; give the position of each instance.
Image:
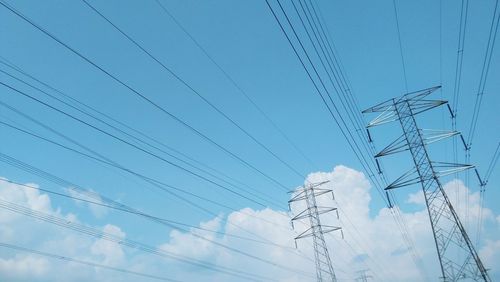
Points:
(312, 212)
(457, 256)
(363, 276)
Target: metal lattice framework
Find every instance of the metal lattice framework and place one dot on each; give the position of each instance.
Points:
(457, 256)
(363, 277)
(312, 212)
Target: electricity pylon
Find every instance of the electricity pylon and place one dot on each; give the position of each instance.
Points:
(363, 277)
(457, 256)
(307, 194)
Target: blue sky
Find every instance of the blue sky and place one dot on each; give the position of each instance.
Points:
(244, 39)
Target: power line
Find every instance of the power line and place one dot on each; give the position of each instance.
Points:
(331, 46)
(72, 225)
(479, 98)
(79, 189)
(360, 158)
(339, 89)
(456, 92)
(102, 160)
(310, 75)
(83, 262)
(170, 221)
(482, 191)
(253, 193)
(234, 83)
(492, 164)
(132, 144)
(484, 72)
(80, 105)
(107, 161)
(122, 207)
(460, 54)
(352, 108)
(143, 97)
(354, 116)
(366, 168)
(196, 92)
(166, 222)
(342, 86)
(332, 61)
(157, 184)
(400, 221)
(400, 45)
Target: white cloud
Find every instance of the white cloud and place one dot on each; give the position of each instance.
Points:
(24, 266)
(26, 232)
(490, 252)
(416, 198)
(16, 194)
(190, 244)
(465, 202)
(374, 242)
(97, 210)
(111, 252)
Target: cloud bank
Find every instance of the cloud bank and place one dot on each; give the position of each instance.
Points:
(371, 240)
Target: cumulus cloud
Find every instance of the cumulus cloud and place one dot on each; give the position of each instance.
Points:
(21, 230)
(490, 252)
(24, 267)
(192, 244)
(31, 197)
(370, 242)
(111, 252)
(97, 210)
(371, 239)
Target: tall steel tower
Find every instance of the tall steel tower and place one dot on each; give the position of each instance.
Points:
(308, 194)
(362, 277)
(457, 256)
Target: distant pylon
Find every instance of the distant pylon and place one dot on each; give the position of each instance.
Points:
(307, 194)
(362, 276)
(457, 256)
